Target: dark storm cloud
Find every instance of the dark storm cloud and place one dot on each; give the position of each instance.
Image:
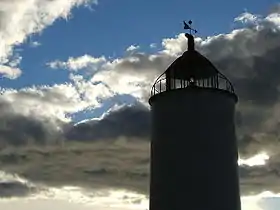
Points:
(10, 189)
(116, 163)
(128, 121)
(120, 163)
(16, 129)
(256, 78)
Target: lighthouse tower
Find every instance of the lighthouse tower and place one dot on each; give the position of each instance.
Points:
(193, 148)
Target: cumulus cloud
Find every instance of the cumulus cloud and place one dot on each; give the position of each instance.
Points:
(14, 186)
(10, 72)
(22, 18)
(40, 114)
(116, 123)
(247, 17)
(35, 44)
(153, 45)
(75, 64)
(58, 100)
(132, 48)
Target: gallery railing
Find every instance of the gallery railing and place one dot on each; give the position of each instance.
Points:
(219, 81)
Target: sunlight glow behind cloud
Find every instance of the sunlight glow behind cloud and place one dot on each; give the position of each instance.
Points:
(72, 197)
(101, 199)
(257, 160)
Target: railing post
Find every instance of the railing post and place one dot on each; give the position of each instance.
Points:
(168, 80)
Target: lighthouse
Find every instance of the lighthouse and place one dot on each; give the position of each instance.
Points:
(194, 156)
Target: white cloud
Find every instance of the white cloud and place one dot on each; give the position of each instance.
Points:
(247, 17)
(21, 18)
(175, 46)
(92, 93)
(35, 44)
(75, 64)
(9, 68)
(153, 45)
(58, 101)
(257, 160)
(132, 48)
(9, 72)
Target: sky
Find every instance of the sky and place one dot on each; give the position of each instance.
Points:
(75, 81)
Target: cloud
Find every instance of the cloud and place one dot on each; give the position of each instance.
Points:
(247, 17)
(262, 177)
(109, 164)
(58, 100)
(39, 114)
(132, 48)
(14, 186)
(153, 45)
(22, 18)
(18, 128)
(75, 64)
(114, 124)
(10, 72)
(35, 44)
(258, 160)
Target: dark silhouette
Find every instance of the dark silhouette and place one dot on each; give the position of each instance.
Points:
(188, 26)
(193, 147)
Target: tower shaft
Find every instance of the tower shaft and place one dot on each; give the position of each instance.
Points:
(193, 151)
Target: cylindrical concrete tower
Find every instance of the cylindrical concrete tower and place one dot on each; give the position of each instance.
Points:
(193, 149)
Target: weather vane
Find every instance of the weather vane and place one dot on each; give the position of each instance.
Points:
(188, 26)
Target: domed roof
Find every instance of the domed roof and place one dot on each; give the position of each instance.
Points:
(191, 65)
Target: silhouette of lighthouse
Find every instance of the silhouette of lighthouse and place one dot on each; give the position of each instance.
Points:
(193, 149)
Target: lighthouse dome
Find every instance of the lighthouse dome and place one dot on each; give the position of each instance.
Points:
(191, 70)
(191, 65)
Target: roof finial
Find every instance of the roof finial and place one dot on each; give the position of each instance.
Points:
(189, 35)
